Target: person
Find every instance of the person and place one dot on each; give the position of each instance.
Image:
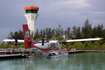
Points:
(8, 49)
(20, 50)
(12, 50)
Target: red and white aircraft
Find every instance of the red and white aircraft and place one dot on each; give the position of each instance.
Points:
(42, 46)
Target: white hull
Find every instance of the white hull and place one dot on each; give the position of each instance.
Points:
(58, 55)
(50, 55)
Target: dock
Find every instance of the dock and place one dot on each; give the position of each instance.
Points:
(6, 52)
(13, 56)
(7, 55)
(85, 51)
(73, 52)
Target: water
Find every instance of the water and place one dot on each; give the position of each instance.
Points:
(80, 61)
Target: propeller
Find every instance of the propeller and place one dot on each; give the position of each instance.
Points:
(16, 42)
(42, 41)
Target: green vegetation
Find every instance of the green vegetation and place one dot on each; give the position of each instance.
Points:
(75, 33)
(96, 45)
(16, 35)
(3, 45)
(88, 45)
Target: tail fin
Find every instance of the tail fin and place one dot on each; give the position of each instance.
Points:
(27, 36)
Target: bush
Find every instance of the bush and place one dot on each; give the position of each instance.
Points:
(22, 46)
(2, 45)
(63, 46)
(103, 46)
(7, 46)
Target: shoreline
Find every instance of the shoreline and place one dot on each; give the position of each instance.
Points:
(9, 55)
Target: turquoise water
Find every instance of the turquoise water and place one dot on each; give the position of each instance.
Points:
(80, 61)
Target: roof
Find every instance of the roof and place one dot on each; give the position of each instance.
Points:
(31, 8)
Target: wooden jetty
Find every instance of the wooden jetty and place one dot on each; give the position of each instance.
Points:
(13, 56)
(85, 51)
(72, 52)
(6, 52)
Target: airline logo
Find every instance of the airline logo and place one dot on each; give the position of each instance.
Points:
(27, 34)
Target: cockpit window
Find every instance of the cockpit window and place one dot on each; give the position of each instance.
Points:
(52, 44)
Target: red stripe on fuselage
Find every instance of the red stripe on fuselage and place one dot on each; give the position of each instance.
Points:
(45, 49)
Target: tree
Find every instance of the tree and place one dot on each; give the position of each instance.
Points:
(74, 31)
(36, 36)
(94, 32)
(103, 34)
(11, 35)
(78, 33)
(68, 32)
(86, 30)
(53, 33)
(41, 33)
(58, 31)
(44, 33)
(16, 35)
(99, 30)
(48, 33)
(65, 34)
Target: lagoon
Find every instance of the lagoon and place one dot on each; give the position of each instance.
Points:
(79, 61)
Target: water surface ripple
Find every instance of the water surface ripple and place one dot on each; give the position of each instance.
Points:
(80, 61)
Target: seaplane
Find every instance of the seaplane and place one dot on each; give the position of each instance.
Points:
(42, 46)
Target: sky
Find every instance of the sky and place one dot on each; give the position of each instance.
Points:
(67, 13)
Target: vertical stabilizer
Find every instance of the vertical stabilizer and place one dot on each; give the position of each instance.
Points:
(27, 36)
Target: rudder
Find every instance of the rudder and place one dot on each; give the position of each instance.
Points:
(27, 36)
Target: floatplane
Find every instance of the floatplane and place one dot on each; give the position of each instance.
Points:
(42, 46)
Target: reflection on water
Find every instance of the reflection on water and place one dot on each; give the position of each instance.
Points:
(81, 61)
(44, 63)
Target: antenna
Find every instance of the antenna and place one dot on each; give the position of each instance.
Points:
(32, 3)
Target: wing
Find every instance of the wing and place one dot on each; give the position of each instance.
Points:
(76, 40)
(12, 40)
(54, 41)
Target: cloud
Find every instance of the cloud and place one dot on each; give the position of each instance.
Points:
(70, 10)
(68, 13)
